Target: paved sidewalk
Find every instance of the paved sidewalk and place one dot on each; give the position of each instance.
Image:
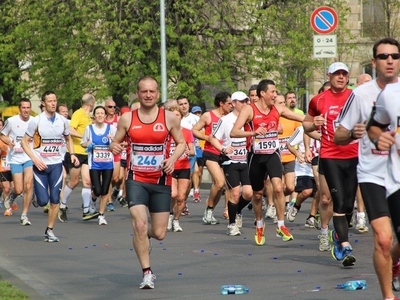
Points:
(98, 262)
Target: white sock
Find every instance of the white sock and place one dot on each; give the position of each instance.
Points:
(86, 196)
(361, 214)
(67, 193)
(280, 223)
(324, 230)
(260, 223)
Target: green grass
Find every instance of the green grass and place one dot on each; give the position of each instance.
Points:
(9, 292)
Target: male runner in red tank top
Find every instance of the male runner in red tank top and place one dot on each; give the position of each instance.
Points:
(149, 167)
(209, 120)
(264, 157)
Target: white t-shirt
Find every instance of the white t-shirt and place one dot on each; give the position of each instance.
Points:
(48, 137)
(371, 162)
(301, 169)
(189, 121)
(388, 112)
(222, 132)
(15, 129)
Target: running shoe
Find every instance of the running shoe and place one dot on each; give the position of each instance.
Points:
(225, 214)
(122, 201)
(264, 204)
(8, 212)
(185, 211)
(250, 206)
(208, 217)
(233, 230)
(310, 222)
(89, 215)
(292, 213)
(284, 233)
(24, 221)
(334, 239)
(62, 214)
(275, 220)
(114, 193)
(14, 206)
(45, 208)
(271, 212)
(110, 206)
(361, 222)
(196, 196)
(324, 244)
(239, 220)
(395, 276)
(170, 219)
(34, 202)
(50, 237)
(191, 193)
(148, 281)
(348, 257)
(102, 220)
(176, 227)
(259, 235)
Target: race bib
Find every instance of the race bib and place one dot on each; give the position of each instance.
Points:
(123, 154)
(283, 149)
(266, 144)
(17, 145)
(4, 165)
(239, 151)
(102, 154)
(147, 158)
(172, 150)
(51, 147)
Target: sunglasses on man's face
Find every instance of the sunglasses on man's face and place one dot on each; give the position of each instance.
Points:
(109, 106)
(384, 56)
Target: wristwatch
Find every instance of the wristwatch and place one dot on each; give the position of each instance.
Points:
(223, 151)
(351, 135)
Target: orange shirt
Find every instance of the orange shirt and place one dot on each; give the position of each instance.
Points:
(4, 167)
(289, 127)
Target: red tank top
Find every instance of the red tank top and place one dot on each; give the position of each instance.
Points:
(329, 105)
(114, 121)
(268, 143)
(148, 148)
(183, 162)
(208, 131)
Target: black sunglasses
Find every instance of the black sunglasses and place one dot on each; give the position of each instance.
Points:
(386, 55)
(109, 106)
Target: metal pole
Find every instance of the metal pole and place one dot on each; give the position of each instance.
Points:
(324, 70)
(163, 54)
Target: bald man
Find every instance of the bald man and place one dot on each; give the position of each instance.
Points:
(363, 78)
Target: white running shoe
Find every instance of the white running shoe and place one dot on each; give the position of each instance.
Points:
(176, 227)
(292, 213)
(102, 220)
(170, 218)
(271, 212)
(191, 193)
(148, 281)
(239, 220)
(324, 244)
(361, 222)
(24, 221)
(233, 230)
(264, 204)
(208, 217)
(50, 237)
(310, 222)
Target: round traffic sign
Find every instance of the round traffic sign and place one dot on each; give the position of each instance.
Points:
(324, 20)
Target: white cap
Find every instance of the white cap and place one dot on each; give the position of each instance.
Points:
(240, 96)
(336, 66)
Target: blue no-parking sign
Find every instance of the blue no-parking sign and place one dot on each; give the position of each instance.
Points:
(324, 20)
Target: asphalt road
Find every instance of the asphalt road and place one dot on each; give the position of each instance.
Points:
(98, 262)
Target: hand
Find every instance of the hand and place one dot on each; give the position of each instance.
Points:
(229, 150)
(319, 120)
(386, 140)
(261, 131)
(168, 165)
(300, 157)
(358, 131)
(308, 156)
(40, 164)
(118, 148)
(75, 160)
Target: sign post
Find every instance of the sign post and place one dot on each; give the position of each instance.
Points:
(324, 20)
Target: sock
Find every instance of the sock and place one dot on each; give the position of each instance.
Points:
(340, 224)
(361, 214)
(324, 230)
(171, 213)
(242, 204)
(48, 228)
(310, 216)
(232, 210)
(86, 196)
(297, 207)
(209, 207)
(67, 193)
(147, 271)
(280, 223)
(260, 223)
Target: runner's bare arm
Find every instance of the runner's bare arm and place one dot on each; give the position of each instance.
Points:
(197, 129)
(245, 116)
(118, 142)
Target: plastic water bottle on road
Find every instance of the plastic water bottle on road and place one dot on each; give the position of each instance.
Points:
(234, 290)
(353, 285)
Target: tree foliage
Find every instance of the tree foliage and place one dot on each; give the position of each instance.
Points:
(105, 46)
